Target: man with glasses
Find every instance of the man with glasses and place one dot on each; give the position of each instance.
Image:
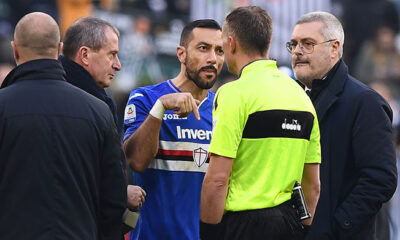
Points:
(358, 168)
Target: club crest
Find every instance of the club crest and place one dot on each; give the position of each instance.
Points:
(200, 156)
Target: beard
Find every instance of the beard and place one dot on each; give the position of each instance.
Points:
(194, 75)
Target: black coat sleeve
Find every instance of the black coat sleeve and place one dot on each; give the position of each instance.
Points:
(113, 186)
(375, 162)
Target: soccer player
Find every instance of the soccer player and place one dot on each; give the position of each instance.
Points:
(167, 145)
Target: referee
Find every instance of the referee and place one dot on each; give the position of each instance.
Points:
(266, 137)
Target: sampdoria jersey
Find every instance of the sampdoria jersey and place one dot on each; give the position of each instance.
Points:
(173, 179)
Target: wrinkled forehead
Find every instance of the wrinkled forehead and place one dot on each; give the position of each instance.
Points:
(309, 30)
(206, 35)
(111, 39)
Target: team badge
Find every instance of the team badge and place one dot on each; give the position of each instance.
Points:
(130, 113)
(200, 156)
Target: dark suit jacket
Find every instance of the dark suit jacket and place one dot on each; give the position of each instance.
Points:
(60, 174)
(358, 168)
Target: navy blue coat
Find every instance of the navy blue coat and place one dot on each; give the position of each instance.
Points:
(358, 169)
(60, 173)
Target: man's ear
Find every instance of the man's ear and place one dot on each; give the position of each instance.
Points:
(60, 46)
(335, 48)
(181, 54)
(15, 51)
(232, 44)
(83, 55)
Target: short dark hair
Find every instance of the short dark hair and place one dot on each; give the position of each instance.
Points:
(252, 26)
(202, 23)
(87, 31)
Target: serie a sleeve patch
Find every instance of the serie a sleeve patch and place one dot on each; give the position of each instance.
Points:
(130, 113)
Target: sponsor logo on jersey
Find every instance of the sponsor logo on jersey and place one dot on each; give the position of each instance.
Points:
(173, 116)
(294, 126)
(200, 156)
(130, 113)
(189, 133)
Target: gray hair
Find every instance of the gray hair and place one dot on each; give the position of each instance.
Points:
(332, 28)
(87, 31)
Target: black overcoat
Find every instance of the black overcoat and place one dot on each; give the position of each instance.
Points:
(60, 170)
(358, 169)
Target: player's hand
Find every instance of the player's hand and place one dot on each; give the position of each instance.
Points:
(136, 197)
(182, 103)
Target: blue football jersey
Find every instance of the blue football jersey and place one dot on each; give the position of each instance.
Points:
(173, 179)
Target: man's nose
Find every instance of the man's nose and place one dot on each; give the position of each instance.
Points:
(212, 58)
(117, 64)
(297, 49)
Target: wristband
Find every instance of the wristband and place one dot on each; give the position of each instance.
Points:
(158, 110)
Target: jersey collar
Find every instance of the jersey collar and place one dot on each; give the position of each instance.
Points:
(257, 64)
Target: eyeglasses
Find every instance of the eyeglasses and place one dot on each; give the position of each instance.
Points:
(306, 46)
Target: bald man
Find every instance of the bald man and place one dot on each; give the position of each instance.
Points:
(60, 177)
(36, 36)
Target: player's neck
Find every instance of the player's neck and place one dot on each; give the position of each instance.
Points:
(244, 59)
(186, 85)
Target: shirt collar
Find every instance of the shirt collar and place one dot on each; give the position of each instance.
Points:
(319, 84)
(256, 64)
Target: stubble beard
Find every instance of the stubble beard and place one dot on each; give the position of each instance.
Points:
(194, 76)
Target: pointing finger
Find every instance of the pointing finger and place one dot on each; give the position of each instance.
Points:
(195, 110)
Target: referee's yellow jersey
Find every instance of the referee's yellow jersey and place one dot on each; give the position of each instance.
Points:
(267, 123)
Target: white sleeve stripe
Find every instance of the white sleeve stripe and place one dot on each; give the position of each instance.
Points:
(172, 165)
(185, 146)
(135, 95)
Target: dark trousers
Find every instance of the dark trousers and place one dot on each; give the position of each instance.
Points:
(276, 223)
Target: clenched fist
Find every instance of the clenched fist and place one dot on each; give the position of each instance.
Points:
(182, 103)
(136, 197)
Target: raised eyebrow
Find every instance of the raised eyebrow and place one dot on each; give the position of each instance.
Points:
(308, 39)
(218, 47)
(208, 44)
(302, 40)
(203, 43)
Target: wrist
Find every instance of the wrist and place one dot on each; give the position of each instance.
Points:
(158, 110)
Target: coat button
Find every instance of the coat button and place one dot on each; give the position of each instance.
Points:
(346, 223)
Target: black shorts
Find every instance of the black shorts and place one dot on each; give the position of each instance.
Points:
(277, 223)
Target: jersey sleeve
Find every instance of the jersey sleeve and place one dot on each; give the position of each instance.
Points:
(228, 122)
(313, 154)
(136, 111)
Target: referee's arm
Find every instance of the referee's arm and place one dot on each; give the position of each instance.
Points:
(215, 189)
(311, 188)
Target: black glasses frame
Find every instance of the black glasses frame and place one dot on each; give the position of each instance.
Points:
(290, 46)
